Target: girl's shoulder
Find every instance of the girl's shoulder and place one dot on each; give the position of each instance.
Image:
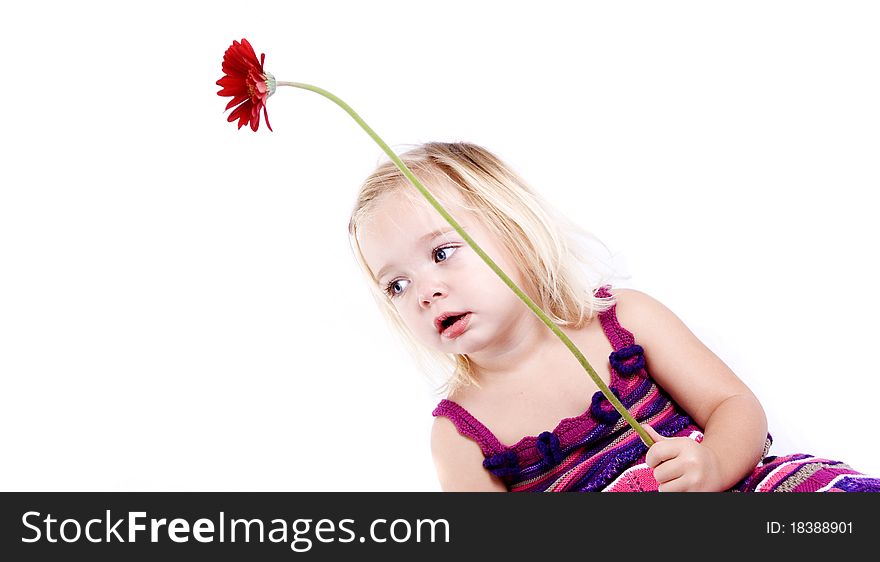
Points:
(458, 461)
(639, 312)
(624, 293)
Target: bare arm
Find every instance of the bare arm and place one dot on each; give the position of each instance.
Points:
(459, 461)
(733, 420)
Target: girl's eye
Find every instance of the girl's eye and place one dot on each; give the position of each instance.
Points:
(444, 253)
(396, 287)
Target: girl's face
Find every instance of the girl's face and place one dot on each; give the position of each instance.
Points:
(450, 299)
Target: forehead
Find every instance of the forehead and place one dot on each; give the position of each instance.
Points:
(400, 218)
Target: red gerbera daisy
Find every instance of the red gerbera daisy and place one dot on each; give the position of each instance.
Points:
(247, 83)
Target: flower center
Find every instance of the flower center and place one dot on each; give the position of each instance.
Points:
(270, 82)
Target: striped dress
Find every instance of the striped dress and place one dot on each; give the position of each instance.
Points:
(598, 451)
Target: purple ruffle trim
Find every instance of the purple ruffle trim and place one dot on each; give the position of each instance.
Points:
(548, 446)
(502, 464)
(602, 410)
(628, 360)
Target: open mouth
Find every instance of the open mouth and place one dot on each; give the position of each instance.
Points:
(453, 325)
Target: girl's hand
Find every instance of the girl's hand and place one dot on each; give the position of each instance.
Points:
(682, 465)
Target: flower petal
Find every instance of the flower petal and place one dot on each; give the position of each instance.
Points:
(266, 115)
(232, 82)
(249, 53)
(255, 116)
(242, 113)
(236, 100)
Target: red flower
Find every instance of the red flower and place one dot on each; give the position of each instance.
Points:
(247, 83)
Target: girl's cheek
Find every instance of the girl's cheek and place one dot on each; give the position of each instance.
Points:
(407, 315)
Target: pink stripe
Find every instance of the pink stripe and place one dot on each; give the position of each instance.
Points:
(638, 478)
(821, 477)
(781, 473)
(550, 474)
(586, 466)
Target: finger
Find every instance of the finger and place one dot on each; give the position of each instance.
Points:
(661, 452)
(652, 433)
(668, 471)
(663, 448)
(674, 485)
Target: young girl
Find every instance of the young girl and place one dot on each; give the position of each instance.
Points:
(521, 414)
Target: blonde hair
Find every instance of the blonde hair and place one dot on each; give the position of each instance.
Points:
(559, 277)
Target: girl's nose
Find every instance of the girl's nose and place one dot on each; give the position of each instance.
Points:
(430, 294)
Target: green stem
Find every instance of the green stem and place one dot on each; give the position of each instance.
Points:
(507, 281)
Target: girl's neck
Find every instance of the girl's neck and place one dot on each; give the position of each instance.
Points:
(530, 349)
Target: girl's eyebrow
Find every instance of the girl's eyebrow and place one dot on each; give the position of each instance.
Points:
(425, 238)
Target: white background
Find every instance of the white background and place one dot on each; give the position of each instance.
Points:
(179, 308)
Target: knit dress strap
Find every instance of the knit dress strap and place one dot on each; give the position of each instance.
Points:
(470, 427)
(619, 336)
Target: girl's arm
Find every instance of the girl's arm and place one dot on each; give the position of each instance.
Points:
(733, 421)
(459, 461)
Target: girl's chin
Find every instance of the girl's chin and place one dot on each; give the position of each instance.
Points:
(463, 345)
(449, 346)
